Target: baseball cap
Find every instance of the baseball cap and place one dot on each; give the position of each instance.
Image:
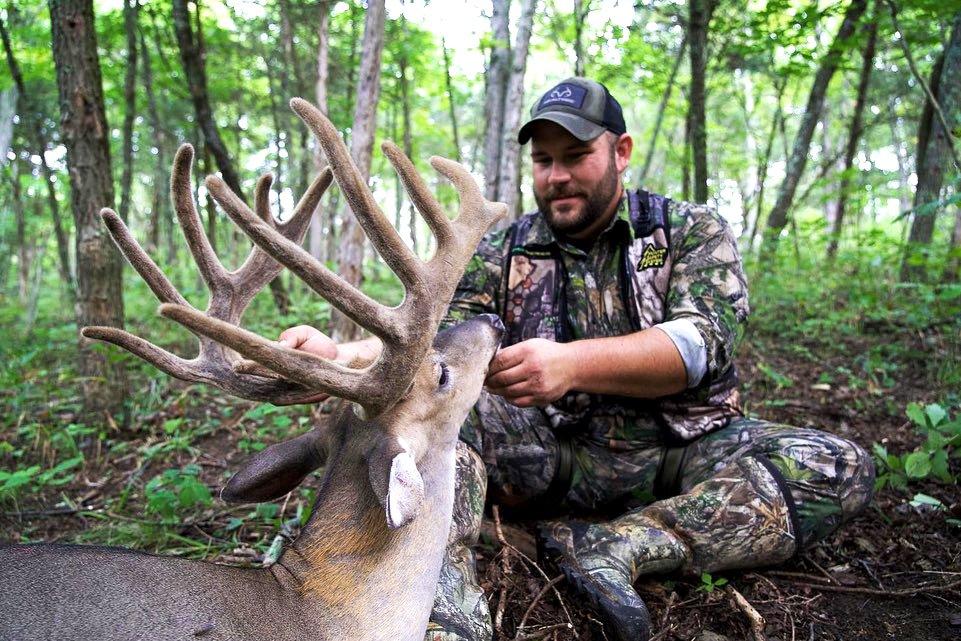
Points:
(583, 107)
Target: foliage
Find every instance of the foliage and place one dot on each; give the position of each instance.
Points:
(175, 491)
(709, 583)
(931, 459)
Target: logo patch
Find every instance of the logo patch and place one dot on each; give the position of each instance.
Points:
(652, 257)
(564, 94)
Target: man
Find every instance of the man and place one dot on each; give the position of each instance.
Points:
(615, 390)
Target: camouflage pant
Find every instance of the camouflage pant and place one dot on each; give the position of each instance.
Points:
(752, 493)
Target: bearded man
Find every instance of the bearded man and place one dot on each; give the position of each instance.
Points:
(615, 391)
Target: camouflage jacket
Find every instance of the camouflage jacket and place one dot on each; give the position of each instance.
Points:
(658, 260)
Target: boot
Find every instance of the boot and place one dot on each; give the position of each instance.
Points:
(737, 519)
(460, 610)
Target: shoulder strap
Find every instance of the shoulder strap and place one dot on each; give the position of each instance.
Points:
(649, 211)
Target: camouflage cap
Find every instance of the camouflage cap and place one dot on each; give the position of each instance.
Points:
(583, 107)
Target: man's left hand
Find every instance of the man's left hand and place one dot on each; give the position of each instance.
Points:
(535, 372)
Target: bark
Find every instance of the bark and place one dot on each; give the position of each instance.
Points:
(495, 93)
(409, 137)
(778, 217)
(581, 9)
(686, 159)
(85, 134)
(952, 268)
(31, 114)
(763, 164)
(159, 214)
(130, 10)
(450, 99)
(509, 170)
(854, 137)
(659, 119)
(934, 153)
(351, 258)
(316, 235)
(24, 249)
(698, 20)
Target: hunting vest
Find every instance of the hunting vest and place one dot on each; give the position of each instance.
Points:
(534, 307)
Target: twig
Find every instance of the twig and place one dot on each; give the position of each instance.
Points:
(540, 595)
(664, 629)
(826, 574)
(885, 593)
(503, 541)
(753, 616)
(543, 632)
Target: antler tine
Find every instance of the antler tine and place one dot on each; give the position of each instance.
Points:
(355, 304)
(157, 356)
(209, 265)
(378, 229)
(312, 371)
(262, 199)
(419, 194)
(162, 288)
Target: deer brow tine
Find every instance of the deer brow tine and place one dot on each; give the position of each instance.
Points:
(209, 265)
(378, 229)
(306, 206)
(419, 194)
(157, 356)
(162, 288)
(360, 308)
(301, 367)
(262, 198)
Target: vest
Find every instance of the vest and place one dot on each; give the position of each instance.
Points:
(534, 307)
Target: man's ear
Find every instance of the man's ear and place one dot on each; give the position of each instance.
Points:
(623, 148)
(276, 470)
(396, 481)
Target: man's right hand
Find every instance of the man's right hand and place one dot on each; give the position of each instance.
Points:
(308, 339)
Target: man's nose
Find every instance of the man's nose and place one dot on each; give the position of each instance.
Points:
(559, 174)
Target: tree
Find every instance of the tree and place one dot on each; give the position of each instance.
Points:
(495, 91)
(508, 173)
(351, 257)
(130, 11)
(698, 18)
(316, 234)
(854, 136)
(935, 150)
(85, 134)
(797, 161)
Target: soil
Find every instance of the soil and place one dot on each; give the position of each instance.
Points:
(892, 573)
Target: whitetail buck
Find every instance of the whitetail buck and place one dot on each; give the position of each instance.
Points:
(366, 564)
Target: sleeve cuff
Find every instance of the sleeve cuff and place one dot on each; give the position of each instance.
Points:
(690, 344)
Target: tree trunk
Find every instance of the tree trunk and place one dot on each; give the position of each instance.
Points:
(686, 159)
(952, 268)
(130, 10)
(857, 122)
(508, 173)
(762, 165)
(84, 131)
(450, 99)
(351, 258)
(777, 219)
(159, 214)
(494, 95)
(697, 35)
(316, 235)
(31, 114)
(24, 249)
(581, 9)
(409, 136)
(659, 119)
(934, 152)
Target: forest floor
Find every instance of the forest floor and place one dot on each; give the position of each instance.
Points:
(892, 573)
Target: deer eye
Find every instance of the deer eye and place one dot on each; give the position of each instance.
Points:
(444, 375)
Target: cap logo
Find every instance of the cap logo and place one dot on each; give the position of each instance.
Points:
(564, 94)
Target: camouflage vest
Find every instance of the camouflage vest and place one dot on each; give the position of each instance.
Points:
(534, 307)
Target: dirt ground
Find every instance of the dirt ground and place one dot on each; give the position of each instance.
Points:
(893, 573)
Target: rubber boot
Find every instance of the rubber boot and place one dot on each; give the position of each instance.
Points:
(460, 610)
(738, 518)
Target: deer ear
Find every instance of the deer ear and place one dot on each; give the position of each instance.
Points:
(276, 470)
(396, 481)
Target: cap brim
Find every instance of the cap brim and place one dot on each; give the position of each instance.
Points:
(579, 127)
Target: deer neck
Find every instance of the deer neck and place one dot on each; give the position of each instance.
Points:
(358, 576)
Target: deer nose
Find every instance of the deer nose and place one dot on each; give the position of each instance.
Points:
(495, 322)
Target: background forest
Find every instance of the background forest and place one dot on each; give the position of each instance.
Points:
(826, 132)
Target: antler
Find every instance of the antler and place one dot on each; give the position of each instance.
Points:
(406, 331)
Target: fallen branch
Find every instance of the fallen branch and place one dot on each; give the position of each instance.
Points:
(874, 592)
(753, 616)
(537, 598)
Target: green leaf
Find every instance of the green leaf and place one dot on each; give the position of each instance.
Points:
(916, 414)
(267, 511)
(935, 413)
(923, 499)
(917, 465)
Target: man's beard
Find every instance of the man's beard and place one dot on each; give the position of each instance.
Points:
(595, 206)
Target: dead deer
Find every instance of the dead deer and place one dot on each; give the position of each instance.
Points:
(366, 564)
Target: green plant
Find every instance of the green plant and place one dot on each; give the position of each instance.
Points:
(942, 437)
(709, 583)
(176, 490)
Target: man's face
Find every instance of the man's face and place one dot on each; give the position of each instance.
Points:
(576, 184)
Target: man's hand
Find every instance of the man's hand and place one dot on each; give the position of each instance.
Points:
(308, 339)
(535, 372)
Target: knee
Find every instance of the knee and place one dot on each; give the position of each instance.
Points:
(856, 478)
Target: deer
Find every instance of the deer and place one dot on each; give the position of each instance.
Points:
(366, 564)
